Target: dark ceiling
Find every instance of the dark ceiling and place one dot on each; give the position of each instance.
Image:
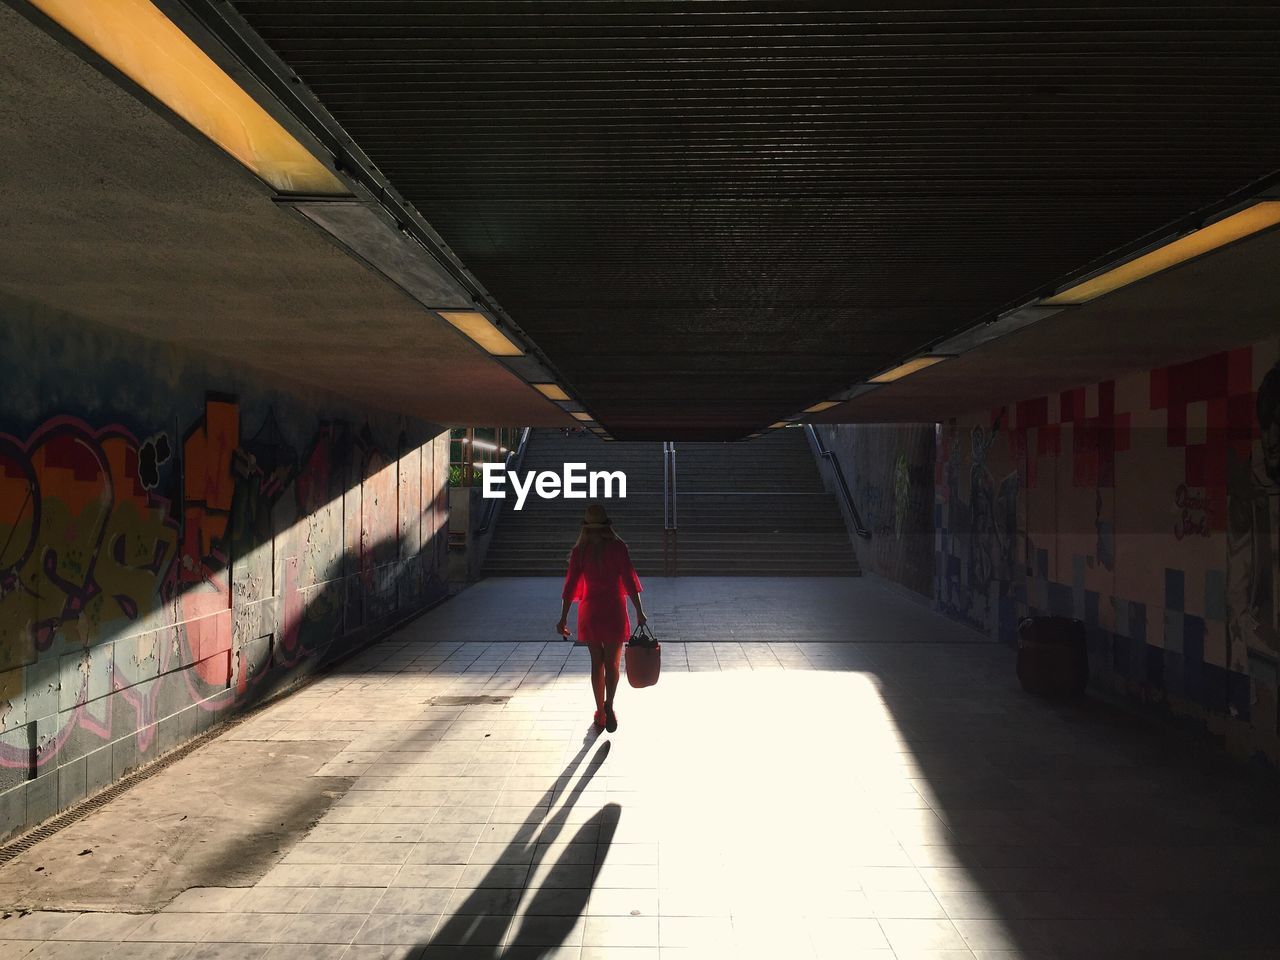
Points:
(712, 214)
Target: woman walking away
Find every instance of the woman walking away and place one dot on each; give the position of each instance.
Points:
(601, 578)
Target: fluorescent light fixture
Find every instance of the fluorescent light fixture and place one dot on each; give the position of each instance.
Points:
(552, 391)
(906, 369)
(149, 48)
(476, 325)
(819, 407)
(1252, 219)
(778, 425)
(579, 415)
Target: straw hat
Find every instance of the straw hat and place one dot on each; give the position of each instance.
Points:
(596, 517)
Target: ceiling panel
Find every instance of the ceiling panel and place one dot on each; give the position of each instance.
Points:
(831, 185)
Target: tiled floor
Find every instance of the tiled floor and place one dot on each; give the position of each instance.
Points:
(772, 798)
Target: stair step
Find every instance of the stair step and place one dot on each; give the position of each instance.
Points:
(744, 509)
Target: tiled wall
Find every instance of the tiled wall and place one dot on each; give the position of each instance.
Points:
(179, 538)
(1147, 507)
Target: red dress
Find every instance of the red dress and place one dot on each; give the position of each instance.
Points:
(601, 589)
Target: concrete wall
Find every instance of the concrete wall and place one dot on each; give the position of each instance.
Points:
(179, 540)
(889, 469)
(1148, 507)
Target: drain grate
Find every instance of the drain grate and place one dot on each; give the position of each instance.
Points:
(85, 807)
(445, 701)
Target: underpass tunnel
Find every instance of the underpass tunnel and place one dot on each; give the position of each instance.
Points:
(924, 363)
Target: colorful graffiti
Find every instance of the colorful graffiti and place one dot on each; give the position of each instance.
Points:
(82, 541)
(140, 577)
(1181, 464)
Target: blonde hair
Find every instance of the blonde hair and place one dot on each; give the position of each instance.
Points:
(596, 531)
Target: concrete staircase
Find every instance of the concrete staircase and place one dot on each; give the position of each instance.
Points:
(744, 509)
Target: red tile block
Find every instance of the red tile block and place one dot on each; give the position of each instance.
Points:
(1049, 441)
(1240, 371)
(1107, 399)
(1121, 434)
(1033, 413)
(1217, 418)
(1159, 388)
(1176, 426)
(1198, 380)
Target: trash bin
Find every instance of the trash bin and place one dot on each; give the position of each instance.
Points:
(1053, 657)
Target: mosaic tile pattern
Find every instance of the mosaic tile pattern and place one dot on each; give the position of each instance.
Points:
(1147, 507)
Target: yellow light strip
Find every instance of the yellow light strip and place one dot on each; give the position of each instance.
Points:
(780, 423)
(1260, 216)
(477, 326)
(552, 391)
(906, 369)
(585, 417)
(819, 407)
(147, 47)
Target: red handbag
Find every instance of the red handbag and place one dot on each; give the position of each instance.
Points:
(644, 657)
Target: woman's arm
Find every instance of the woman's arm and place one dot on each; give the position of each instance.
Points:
(572, 584)
(635, 602)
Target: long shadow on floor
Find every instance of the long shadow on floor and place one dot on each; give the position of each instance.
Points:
(1079, 830)
(482, 921)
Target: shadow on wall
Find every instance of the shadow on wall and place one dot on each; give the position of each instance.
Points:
(150, 584)
(891, 468)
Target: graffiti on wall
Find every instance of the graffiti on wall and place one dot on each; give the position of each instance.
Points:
(82, 541)
(890, 468)
(1049, 506)
(1253, 533)
(184, 570)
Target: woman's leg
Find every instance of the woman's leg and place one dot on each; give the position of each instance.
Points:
(597, 674)
(612, 662)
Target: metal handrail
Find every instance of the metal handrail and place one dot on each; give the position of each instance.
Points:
(670, 523)
(858, 526)
(491, 506)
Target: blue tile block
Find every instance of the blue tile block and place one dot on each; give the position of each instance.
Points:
(1193, 638)
(1174, 590)
(1213, 688)
(1173, 624)
(1008, 621)
(1120, 656)
(1122, 616)
(1215, 595)
(1091, 600)
(1238, 695)
(1042, 563)
(1061, 600)
(1173, 676)
(1193, 658)
(1154, 675)
(1138, 621)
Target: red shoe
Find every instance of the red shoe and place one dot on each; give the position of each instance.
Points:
(600, 718)
(610, 719)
